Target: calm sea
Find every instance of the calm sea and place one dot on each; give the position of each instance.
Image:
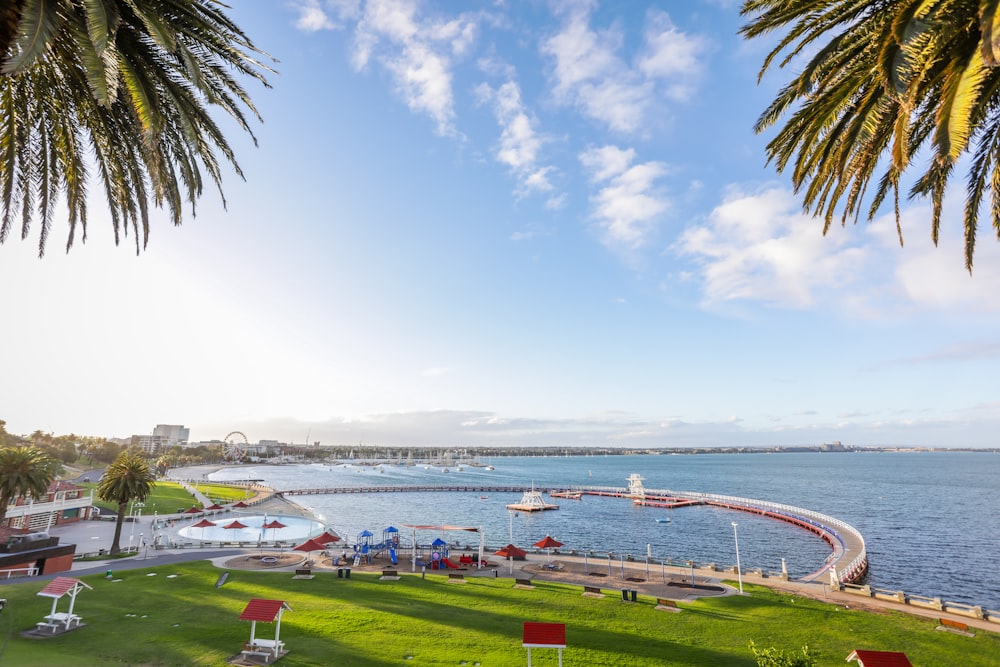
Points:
(931, 520)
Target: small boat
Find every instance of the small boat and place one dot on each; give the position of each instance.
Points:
(489, 468)
(664, 520)
(484, 497)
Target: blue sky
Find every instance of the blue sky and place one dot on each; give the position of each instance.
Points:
(516, 223)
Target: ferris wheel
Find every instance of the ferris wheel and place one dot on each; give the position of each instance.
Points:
(234, 447)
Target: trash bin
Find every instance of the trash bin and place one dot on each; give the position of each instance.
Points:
(340, 573)
(347, 572)
(108, 575)
(633, 594)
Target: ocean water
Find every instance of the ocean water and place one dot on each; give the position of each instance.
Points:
(931, 520)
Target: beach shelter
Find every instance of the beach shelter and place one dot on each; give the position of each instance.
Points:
(235, 524)
(240, 504)
(203, 524)
(272, 525)
(214, 506)
(511, 552)
(327, 537)
(547, 543)
(56, 589)
(310, 546)
(266, 611)
(193, 510)
(879, 658)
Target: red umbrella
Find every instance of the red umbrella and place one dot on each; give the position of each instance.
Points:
(273, 525)
(203, 524)
(240, 504)
(214, 506)
(548, 543)
(310, 546)
(193, 510)
(327, 537)
(235, 524)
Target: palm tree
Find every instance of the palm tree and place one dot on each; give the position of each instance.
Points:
(120, 88)
(24, 471)
(885, 80)
(128, 478)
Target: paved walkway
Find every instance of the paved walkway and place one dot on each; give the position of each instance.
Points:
(668, 582)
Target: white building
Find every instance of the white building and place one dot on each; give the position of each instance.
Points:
(172, 434)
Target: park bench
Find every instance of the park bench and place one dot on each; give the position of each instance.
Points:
(955, 626)
(593, 591)
(391, 575)
(523, 583)
(303, 573)
(456, 577)
(666, 604)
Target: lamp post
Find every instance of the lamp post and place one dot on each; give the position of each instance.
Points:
(739, 570)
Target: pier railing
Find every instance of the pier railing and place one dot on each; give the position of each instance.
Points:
(834, 527)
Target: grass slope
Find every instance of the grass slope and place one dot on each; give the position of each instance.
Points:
(166, 498)
(150, 619)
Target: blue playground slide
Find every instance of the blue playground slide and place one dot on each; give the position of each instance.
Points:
(392, 556)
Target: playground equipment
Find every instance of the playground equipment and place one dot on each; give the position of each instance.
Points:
(365, 548)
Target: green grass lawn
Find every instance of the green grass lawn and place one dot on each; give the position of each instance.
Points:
(166, 498)
(150, 619)
(222, 493)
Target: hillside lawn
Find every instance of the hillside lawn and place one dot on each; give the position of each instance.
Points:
(166, 498)
(222, 493)
(148, 619)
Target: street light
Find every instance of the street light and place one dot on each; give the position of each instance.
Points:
(739, 570)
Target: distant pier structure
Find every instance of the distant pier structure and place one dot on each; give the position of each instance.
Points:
(847, 564)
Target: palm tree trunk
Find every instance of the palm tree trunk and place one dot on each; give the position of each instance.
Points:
(115, 549)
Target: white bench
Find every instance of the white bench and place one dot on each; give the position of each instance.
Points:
(59, 619)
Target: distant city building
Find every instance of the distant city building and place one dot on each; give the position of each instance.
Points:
(172, 434)
(149, 444)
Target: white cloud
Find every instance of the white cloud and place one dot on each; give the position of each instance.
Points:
(589, 73)
(628, 204)
(672, 56)
(761, 247)
(417, 52)
(519, 144)
(314, 16)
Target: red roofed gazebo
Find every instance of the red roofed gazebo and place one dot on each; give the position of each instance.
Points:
(266, 611)
(544, 635)
(55, 589)
(879, 659)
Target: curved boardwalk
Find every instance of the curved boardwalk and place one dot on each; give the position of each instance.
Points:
(849, 558)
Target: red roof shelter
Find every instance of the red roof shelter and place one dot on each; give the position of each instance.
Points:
(267, 611)
(544, 635)
(879, 658)
(55, 589)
